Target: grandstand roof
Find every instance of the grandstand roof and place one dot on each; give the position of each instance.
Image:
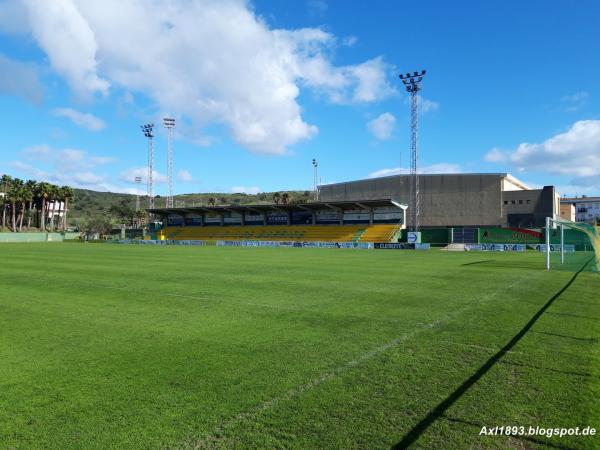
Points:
(313, 206)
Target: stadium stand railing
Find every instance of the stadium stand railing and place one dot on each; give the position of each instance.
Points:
(315, 233)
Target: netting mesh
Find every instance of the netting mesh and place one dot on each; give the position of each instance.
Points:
(583, 242)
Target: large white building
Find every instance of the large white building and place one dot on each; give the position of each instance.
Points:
(587, 209)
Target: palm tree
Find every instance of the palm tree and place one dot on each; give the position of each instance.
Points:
(285, 198)
(25, 195)
(14, 195)
(276, 198)
(54, 196)
(212, 201)
(67, 194)
(5, 181)
(30, 187)
(42, 192)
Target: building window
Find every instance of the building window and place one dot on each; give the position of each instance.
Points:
(512, 202)
(528, 202)
(506, 202)
(520, 202)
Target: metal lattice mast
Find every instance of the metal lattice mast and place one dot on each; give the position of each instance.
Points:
(316, 182)
(137, 180)
(169, 124)
(147, 130)
(413, 86)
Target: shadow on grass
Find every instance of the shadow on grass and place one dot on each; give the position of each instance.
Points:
(590, 340)
(478, 262)
(548, 369)
(576, 316)
(422, 426)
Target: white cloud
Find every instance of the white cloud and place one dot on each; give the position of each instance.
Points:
(65, 159)
(66, 166)
(574, 153)
(82, 179)
(212, 62)
(246, 190)
(382, 127)
(13, 17)
(433, 168)
(574, 102)
(20, 79)
(426, 106)
(129, 175)
(495, 155)
(84, 120)
(68, 40)
(185, 176)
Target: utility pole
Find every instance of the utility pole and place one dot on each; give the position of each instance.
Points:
(413, 86)
(315, 183)
(169, 124)
(137, 180)
(147, 130)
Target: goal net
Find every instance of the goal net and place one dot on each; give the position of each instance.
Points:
(572, 245)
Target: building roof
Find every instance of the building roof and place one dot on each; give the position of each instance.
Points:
(313, 206)
(579, 199)
(474, 174)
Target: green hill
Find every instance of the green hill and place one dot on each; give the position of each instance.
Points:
(115, 206)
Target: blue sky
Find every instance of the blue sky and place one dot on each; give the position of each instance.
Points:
(260, 88)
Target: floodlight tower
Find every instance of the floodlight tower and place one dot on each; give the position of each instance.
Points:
(169, 124)
(137, 180)
(147, 130)
(315, 184)
(413, 85)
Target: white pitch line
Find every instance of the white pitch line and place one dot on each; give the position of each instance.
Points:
(213, 438)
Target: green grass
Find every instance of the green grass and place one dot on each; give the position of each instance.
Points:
(114, 346)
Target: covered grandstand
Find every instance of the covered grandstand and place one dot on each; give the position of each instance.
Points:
(338, 221)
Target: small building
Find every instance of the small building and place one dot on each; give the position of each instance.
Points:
(567, 211)
(587, 209)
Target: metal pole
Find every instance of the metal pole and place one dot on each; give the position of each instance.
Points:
(169, 124)
(316, 178)
(562, 244)
(412, 82)
(414, 144)
(547, 243)
(150, 172)
(147, 130)
(138, 180)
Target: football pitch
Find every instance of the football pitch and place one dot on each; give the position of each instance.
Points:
(130, 346)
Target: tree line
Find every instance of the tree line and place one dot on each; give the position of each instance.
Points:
(31, 204)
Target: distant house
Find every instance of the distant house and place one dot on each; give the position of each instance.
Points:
(56, 208)
(567, 211)
(587, 209)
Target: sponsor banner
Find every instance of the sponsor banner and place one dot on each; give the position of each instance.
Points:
(422, 246)
(393, 246)
(289, 244)
(553, 247)
(496, 247)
